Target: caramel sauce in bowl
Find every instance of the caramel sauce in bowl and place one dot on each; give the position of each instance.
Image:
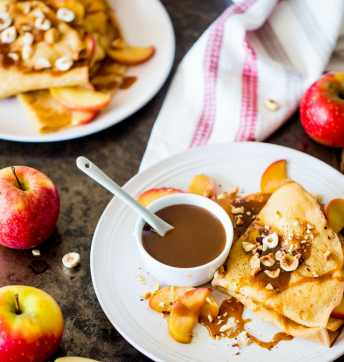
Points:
(185, 276)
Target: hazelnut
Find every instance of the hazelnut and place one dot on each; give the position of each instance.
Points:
(278, 255)
(289, 262)
(271, 105)
(269, 287)
(268, 260)
(254, 264)
(51, 36)
(247, 246)
(273, 273)
(271, 240)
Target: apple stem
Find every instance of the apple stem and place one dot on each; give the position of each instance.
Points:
(15, 175)
(16, 300)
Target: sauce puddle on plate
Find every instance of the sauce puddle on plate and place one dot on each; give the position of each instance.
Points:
(198, 237)
(232, 308)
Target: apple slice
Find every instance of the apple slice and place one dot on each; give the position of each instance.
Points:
(273, 176)
(153, 194)
(90, 44)
(185, 313)
(74, 359)
(163, 300)
(338, 312)
(130, 55)
(80, 99)
(79, 117)
(203, 185)
(334, 213)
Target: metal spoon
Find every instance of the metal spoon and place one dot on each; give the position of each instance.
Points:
(90, 169)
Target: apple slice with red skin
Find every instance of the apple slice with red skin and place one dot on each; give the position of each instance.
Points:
(80, 118)
(153, 194)
(74, 359)
(168, 297)
(338, 312)
(203, 185)
(130, 55)
(322, 109)
(185, 313)
(273, 176)
(334, 213)
(80, 99)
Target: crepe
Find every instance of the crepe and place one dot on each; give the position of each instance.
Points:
(313, 290)
(20, 73)
(46, 114)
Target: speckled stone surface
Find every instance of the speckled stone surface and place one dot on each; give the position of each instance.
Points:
(118, 151)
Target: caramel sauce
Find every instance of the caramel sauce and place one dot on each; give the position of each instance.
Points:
(232, 308)
(127, 82)
(198, 237)
(252, 204)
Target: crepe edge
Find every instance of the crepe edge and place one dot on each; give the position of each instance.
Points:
(318, 335)
(13, 81)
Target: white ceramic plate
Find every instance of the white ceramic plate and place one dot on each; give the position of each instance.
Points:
(144, 23)
(115, 261)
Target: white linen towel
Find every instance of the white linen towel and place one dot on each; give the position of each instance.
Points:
(256, 50)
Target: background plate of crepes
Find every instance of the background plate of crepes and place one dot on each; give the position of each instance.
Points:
(141, 23)
(120, 278)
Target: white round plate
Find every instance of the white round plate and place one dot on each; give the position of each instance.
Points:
(116, 264)
(144, 23)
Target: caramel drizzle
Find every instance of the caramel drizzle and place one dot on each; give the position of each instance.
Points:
(232, 308)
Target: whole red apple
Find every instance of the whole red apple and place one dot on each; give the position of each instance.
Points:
(322, 110)
(29, 207)
(31, 325)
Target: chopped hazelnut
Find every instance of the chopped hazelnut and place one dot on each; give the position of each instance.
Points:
(247, 246)
(238, 221)
(271, 105)
(237, 210)
(268, 260)
(147, 295)
(273, 273)
(254, 264)
(269, 287)
(278, 255)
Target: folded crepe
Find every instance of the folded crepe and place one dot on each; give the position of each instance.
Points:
(46, 114)
(300, 299)
(23, 61)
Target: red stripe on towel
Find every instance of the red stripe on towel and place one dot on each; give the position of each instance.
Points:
(249, 102)
(211, 61)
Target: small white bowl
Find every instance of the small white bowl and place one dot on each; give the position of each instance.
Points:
(184, 277)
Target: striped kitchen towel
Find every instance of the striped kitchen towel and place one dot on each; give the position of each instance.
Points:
(256, 51)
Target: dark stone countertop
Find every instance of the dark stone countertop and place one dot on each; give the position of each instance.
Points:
(118, 151)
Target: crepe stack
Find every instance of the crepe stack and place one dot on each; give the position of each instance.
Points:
(34, 37)
(304, 279)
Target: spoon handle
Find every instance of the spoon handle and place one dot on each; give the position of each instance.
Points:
(90, 169)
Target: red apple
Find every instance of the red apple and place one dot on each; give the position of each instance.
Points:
(31, 325)
(322, 110)
(28, 209)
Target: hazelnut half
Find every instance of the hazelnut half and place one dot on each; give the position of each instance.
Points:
(289, 262)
